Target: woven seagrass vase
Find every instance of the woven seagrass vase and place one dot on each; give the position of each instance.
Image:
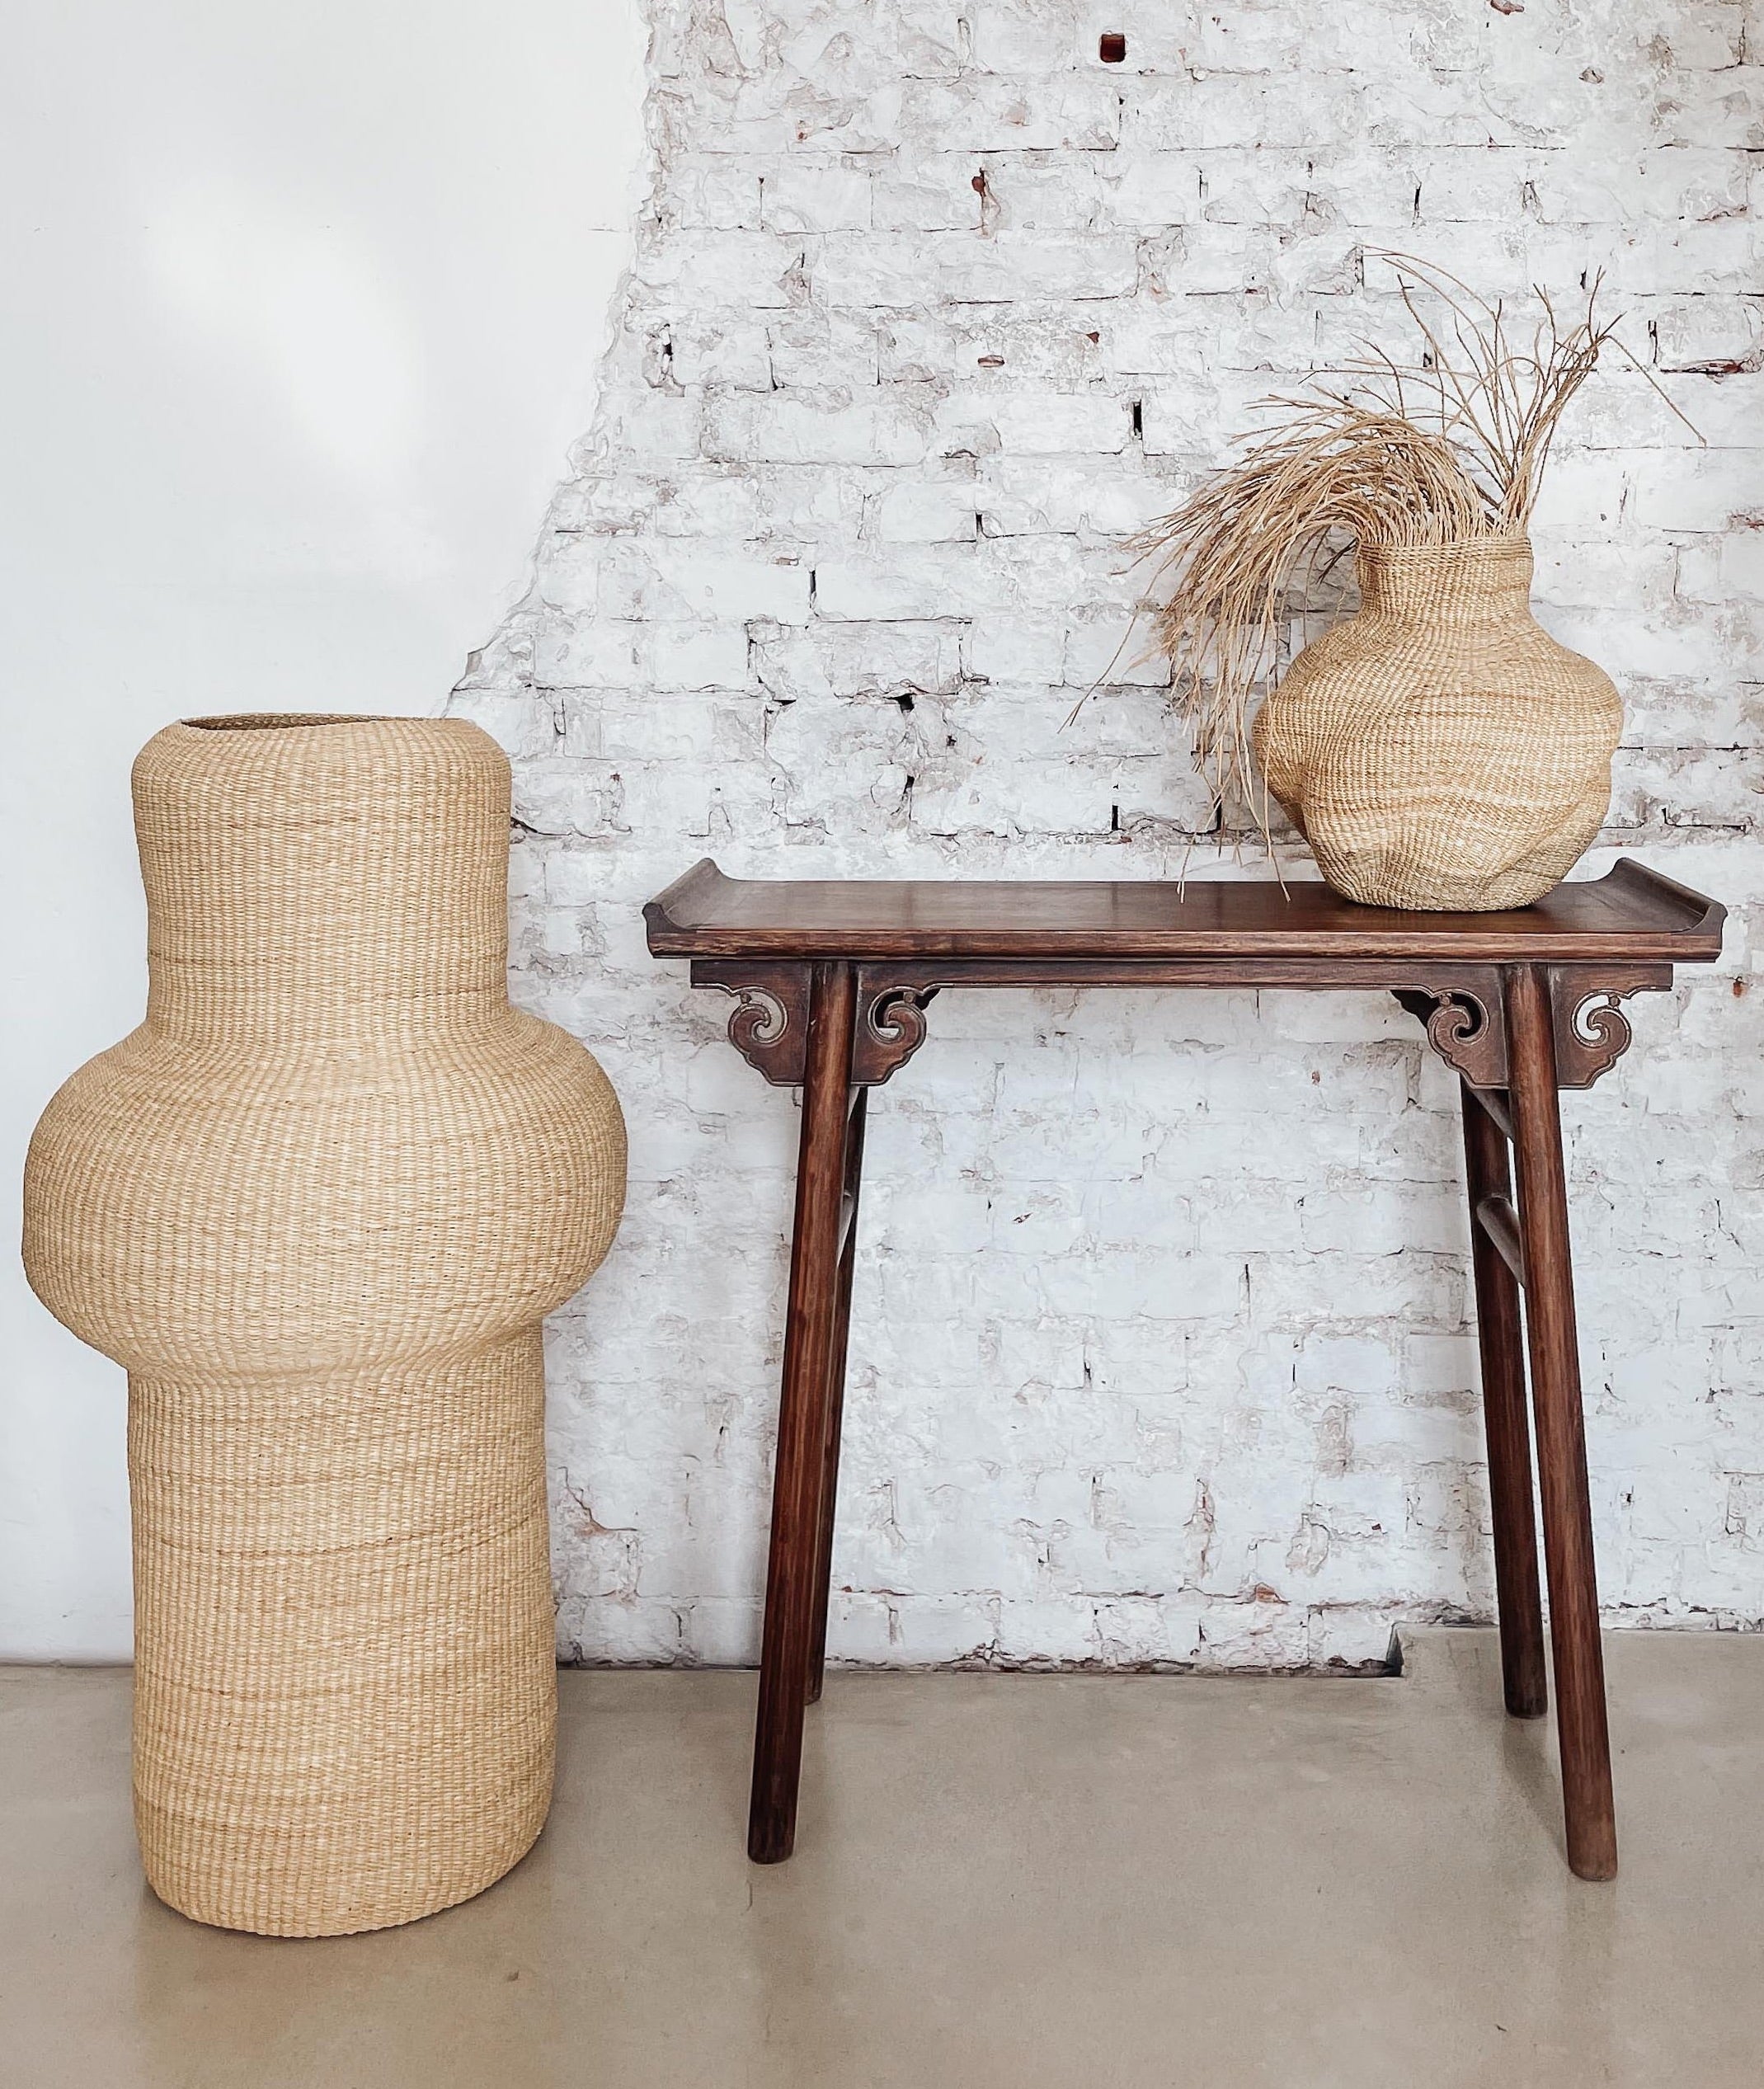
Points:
(318, 1205)
(1439, 749)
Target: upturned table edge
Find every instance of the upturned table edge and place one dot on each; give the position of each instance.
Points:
(1459, 998)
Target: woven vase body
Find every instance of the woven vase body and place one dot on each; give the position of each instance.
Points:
(318, 1205)
(1439, 749)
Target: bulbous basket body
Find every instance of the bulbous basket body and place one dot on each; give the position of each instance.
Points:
(1439, 749)
(318, 1205)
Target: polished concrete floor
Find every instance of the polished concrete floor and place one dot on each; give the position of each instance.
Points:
(1075, 1881)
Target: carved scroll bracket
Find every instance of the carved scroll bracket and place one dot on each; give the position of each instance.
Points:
(768, 1025)
(1465, 1022)
(891, 1022)
(1591, 1031)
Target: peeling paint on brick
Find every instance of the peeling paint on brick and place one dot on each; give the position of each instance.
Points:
(1160, 1352)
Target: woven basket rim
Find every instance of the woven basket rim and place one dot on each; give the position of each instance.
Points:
(1491, 544)
(293, 721)
(371, 734)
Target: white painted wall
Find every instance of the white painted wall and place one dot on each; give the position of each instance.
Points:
(303, 306)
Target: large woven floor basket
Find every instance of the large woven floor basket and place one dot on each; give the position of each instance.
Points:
(318, 1204)
(1439, 749)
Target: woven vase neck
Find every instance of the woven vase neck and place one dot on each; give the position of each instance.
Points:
(323, 882)
(1482, 578)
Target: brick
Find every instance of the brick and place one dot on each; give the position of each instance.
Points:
(669, 581)
(915, 512)
(897, 269)
(801, 196)
(985, 113)
(824, 658)
(700, 656)
(835, 427)
(1020, 424)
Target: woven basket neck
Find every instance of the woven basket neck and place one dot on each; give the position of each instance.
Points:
(336, 881)
(1487, 578)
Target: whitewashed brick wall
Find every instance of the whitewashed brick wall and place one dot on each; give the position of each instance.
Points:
(1161, 1350)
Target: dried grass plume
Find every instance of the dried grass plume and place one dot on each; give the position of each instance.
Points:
(1440, 451)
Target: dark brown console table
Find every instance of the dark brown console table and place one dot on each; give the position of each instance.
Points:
(831, 982)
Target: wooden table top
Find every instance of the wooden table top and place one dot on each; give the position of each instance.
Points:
(1632, 914)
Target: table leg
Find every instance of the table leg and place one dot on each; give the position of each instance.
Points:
(1511, 1502)
(809, 1332)
(1586, 1799)
(830, 1473)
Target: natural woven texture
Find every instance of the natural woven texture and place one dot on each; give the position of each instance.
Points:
(318, 1204)
(1439, 749)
